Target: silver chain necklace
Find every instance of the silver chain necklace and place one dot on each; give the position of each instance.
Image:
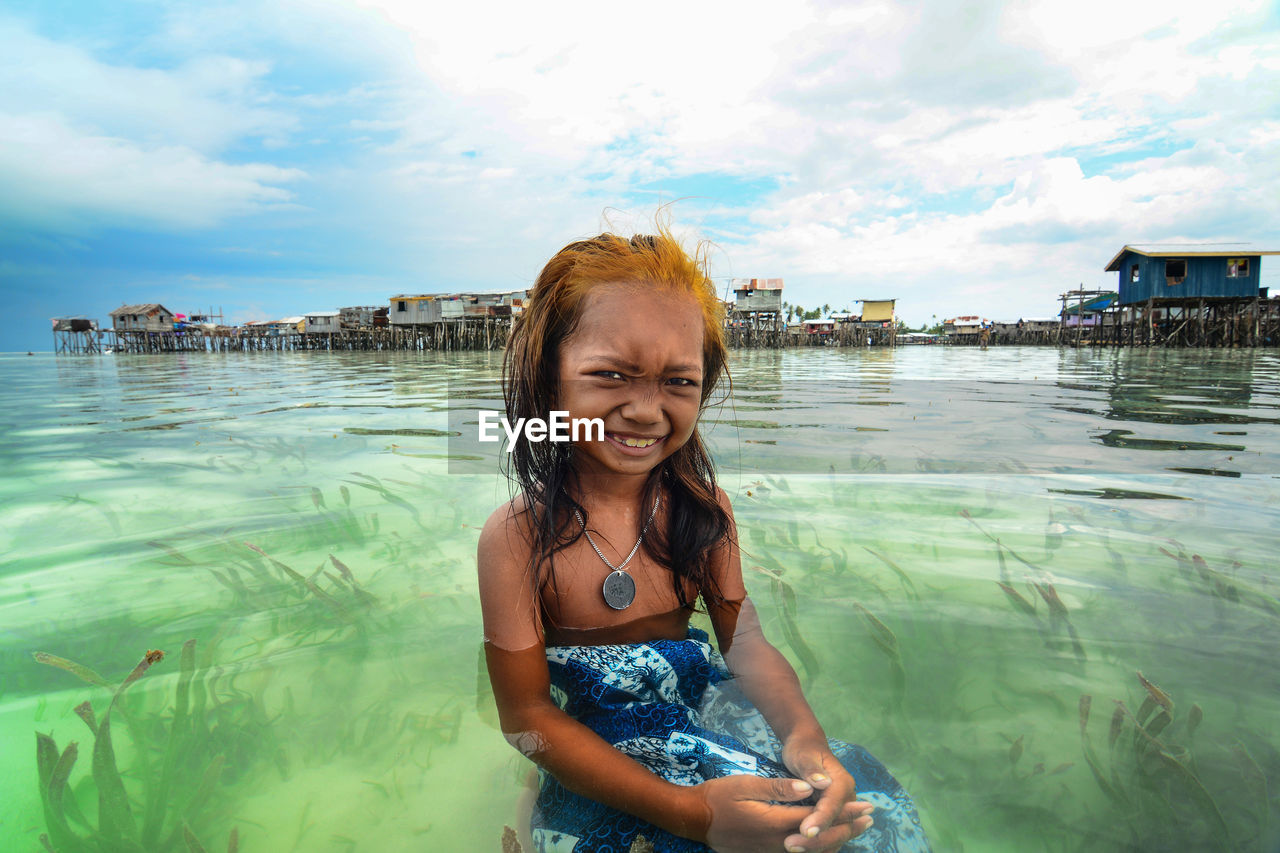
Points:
(619, 587)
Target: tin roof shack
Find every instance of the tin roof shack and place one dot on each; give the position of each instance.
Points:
(959, 327)
(513, 300)
(754, 317)
(877, 310)
(321, 323)
(1026, 331)
(271, 328)
(447, 307)
(757, 295)
(407, 310)
(257, 328)
(148, 317)
(820, 327)
(358, 317)
(497, 303)
(1039, 324)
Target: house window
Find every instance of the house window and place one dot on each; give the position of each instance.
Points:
(1133, 274)
(400, 306)
(1175, 271)
(1237, 267)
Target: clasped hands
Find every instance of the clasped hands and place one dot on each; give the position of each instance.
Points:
(749, 813)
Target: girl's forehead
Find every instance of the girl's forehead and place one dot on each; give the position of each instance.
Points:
(626, 316)
(605, 300)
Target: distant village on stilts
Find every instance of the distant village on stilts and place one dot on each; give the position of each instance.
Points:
(1187, 295)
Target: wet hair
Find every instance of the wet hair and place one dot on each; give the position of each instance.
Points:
(531, 381)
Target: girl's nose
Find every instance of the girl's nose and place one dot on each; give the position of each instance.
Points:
(643, 405)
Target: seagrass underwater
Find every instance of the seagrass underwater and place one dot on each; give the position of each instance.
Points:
(951, 564)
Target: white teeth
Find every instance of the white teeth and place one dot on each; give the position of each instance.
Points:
(639, 442)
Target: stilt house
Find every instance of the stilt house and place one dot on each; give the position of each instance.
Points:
(149, 317)
(1192, 294)
(1179, 273)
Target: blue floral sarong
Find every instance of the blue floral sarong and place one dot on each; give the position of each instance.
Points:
(672, 706)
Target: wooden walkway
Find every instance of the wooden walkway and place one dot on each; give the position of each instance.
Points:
(480, 334)
(1195, 323)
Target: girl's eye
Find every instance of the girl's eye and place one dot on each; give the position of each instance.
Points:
(608, 374)
(682, 382)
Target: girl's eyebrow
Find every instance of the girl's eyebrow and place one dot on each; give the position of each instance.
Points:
(614, 361)
(635, 368)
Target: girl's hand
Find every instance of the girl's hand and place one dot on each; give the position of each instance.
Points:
(742, 816)
(837, 809)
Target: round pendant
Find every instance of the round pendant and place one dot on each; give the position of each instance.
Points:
(619, 590)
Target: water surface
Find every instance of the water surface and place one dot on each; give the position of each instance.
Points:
(952, 546)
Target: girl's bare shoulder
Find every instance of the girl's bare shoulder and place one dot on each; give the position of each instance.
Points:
(508, 600)
(505, 536)
(722, 498)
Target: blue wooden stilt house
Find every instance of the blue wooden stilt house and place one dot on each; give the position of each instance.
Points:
(1188, 271)
(1193, 294)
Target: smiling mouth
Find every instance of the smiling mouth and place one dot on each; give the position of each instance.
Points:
(637, 442)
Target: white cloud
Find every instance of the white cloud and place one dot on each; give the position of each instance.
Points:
(62, 178)
(86, 142)
(206, 102)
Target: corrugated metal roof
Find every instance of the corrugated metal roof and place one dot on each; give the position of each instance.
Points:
(1190, 250)
(139, 309)
(467, 294)
(753, 284)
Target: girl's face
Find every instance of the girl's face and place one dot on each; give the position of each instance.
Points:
(634, 361)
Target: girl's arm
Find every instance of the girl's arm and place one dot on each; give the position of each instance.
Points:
(770, 683)
(582, 761)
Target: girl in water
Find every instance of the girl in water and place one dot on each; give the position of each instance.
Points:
(589, 578)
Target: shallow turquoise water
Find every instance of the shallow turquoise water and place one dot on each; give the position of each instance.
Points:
(297, 515)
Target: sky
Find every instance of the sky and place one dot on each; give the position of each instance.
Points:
(273, 157)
